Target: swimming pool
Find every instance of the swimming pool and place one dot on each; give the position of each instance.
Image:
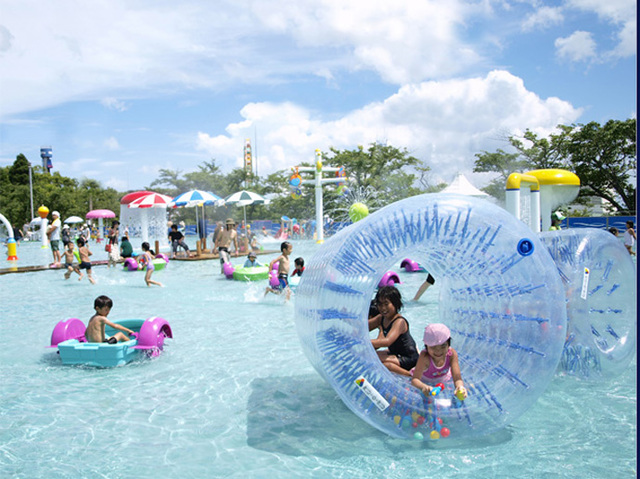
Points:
(234, 396)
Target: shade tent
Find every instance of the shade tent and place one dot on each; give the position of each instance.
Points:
(72, 220)
(462, 186)
(100, 214)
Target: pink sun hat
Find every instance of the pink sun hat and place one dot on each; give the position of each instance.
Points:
(436, 334)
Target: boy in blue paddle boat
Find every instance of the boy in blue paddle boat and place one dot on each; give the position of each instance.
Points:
(95, 329)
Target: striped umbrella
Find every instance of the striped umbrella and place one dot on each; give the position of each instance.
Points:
(152, 200)
(244, 198)
(197, 198)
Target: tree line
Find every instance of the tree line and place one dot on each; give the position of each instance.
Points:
(603, 157)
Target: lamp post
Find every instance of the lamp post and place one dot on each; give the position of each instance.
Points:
(31, 189)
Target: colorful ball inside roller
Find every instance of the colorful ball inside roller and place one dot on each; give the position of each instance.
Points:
(434, 435)
(358, 211)
(444, 432)
(418, 436)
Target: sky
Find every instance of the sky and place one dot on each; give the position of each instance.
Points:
(120, 89)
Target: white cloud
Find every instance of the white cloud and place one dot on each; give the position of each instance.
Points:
(621, 13)
(543, 18)
(111, 143)
(577, 47)
(443, 123)
(114, 104)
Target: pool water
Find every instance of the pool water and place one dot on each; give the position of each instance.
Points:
(234, 396)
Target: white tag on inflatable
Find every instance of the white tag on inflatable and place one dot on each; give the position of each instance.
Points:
(585, 284)
(372, 393)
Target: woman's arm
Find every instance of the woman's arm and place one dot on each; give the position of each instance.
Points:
(397, 329)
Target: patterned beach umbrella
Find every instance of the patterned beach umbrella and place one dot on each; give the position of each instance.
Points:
(244, 198)
(153, 200)
(196, 198)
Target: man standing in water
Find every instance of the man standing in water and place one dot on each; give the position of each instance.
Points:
(224, 240)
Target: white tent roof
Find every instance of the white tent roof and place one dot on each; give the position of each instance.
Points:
(462, 186)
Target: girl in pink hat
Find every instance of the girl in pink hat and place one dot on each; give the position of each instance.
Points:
(438, 362)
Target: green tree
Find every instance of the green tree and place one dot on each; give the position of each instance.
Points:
(603, 157)
(382, 167)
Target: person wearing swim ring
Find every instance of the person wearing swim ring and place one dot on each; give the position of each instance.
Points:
(438, 362)
(401, 353)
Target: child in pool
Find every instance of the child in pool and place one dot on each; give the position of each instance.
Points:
(147, 259)
(251, 261)
(68, 262)
(438, 361)
(95, 329)
(401, 353)
(299, 263)
(283, 270)
(630, 238)
(85, 262)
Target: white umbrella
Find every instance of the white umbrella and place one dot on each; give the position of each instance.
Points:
(197, 198)
(72, 220)
(244, 198)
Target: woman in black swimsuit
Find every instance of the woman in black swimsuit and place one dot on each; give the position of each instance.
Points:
(401, 354)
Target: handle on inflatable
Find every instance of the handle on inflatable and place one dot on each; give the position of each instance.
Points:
(389, 279)
(274, 282)
(131, 264)
(228, 270)
(163, 256)
(71, 328)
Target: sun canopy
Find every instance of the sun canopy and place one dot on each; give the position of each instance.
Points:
(153, 200)
(462, 186)
(100, 214)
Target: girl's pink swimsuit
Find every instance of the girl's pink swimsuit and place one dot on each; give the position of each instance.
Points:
(434, 374)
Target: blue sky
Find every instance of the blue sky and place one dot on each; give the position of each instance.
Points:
(120, 89)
